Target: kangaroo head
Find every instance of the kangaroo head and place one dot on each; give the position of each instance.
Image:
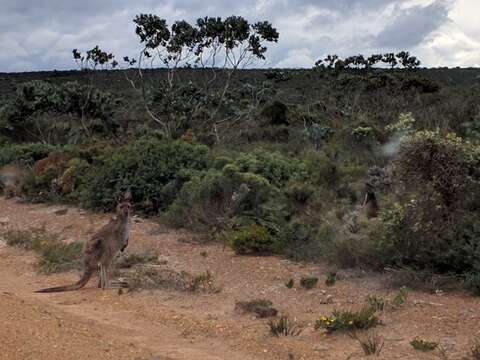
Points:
(124, 207)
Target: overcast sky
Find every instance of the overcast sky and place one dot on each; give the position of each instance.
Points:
(40, 34)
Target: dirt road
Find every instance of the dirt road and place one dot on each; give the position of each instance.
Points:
(167, 324)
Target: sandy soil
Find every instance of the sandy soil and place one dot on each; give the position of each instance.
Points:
(168, 324)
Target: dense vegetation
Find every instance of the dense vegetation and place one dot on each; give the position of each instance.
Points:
(268, 162)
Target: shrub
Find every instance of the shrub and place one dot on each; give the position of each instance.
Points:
(331, 278)
(321, 169)
(308, 282)
(276, 168)
(443, 163)
(472, 283)
(420, 84)
(371, 344)
(423, 235)
(260, 307)
(54, 255)
(145, 167)
(58, 256)
(347, 320)
(252, 239)
(401, 298)
(318, 134)
(78, 112)
(423, 345)
(376, 302)
(219, 201)
(203, 282)
(299, 192)
(284, 327)
(275, 113)
(24, 154)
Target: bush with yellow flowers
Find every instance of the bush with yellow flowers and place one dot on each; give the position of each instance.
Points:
(347, 320)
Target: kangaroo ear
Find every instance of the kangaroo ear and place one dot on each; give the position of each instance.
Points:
(127, 196)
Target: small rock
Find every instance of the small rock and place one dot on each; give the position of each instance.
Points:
(137, 219)
(4, 221)
(321, 347)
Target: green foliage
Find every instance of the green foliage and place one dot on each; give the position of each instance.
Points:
(275, 113)
(472, 283)
(176, 105)
(348, 320)
(228, 202)
(423, 345)
(252, 239)
(371, 344)
(58, 256)
(404, 125)
(203, 281)
(376, 302)
(403, 58)
(401, 298)
(283, 326)
(472, 129)
(66, 113)
(435, 225)
(331, 278)
(308, 282)
(146, 168)
(276, 168)
(322, 170)
(318, 134)
(54, 255)
(442, 163)
(299, 192)
(24, 154)
(420, 84)
(290, 284)
(24, 239)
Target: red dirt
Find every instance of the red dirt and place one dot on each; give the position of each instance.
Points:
(168, 324)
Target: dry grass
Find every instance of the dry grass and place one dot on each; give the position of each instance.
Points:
(260, 307)
(54, 255)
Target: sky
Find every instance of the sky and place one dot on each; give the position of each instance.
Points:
(40, 34)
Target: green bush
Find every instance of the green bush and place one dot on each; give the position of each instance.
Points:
(59, 256)
(308, 282)
(446, 164)
(54, 255)
(299, 192)
(214, 200)
(252, 239)
(273, 166)
(348, 320)
(322, 170)
(275, 113)
(66, 113)
(145, 167)
(434, 226)
(25, 154)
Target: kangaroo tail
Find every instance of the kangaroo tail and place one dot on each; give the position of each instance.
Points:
(87, 274)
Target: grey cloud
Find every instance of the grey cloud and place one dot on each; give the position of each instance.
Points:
(40, 34)
(411, 26)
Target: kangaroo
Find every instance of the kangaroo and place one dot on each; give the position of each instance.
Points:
(11, 177)
(370, 204)
(101, 248)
